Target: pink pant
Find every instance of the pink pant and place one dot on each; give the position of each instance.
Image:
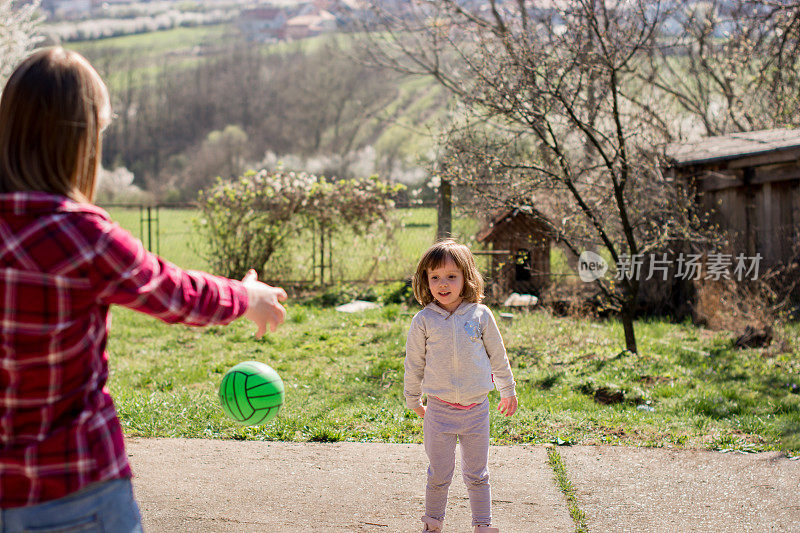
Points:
(442, 426)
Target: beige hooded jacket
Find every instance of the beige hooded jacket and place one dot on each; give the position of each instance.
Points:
(453, 356)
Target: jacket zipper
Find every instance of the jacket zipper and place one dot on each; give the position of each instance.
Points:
(455, 364)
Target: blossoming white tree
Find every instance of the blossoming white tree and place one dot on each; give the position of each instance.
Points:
(17, 34)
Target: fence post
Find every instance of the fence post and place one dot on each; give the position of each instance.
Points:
(146, 215)
(158, 230)
(313, 252)
(322, 255)
(444, 225)
(330, 255)
(149, 228)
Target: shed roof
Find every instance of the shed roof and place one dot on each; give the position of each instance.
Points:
(732, 146)
(489, 231)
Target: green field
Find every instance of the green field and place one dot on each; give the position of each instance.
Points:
(343, 375)
(139, 57)
(136, 59)
(173, 236)
(157, 43)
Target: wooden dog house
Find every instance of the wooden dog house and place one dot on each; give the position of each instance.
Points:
(520, 252)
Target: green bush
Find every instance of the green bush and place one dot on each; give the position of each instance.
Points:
(337, 294)
(398, 292)
(247, 220)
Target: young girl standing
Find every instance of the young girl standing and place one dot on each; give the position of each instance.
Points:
(455, 355)
(63, 465)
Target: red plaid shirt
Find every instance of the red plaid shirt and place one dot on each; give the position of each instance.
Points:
(61, 265)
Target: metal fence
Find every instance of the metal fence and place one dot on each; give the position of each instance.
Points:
(310, 258)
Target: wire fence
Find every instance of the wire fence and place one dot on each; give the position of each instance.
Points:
(310, 257)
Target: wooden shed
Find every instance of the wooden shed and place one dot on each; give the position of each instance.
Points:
(750, 183)
(520, 252)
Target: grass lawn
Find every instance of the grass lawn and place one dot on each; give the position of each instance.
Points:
(343, 375)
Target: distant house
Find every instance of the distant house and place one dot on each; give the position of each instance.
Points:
(750, 183)
(263, 24)
(303, 26)
(520, 252)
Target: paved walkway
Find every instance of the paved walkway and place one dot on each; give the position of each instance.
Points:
(229, 486)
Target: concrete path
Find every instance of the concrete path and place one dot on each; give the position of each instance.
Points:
(228, 486)
(651, 489)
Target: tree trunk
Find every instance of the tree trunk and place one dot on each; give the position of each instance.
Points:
(627, 325)
(444, 227)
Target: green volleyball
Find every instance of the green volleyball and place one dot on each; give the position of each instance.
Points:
(251, 393)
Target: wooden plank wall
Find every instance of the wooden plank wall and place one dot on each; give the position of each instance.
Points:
(762, 218)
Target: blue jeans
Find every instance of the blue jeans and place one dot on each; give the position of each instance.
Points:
(106, 507)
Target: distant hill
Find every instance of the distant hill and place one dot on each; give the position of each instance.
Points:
(307, 100)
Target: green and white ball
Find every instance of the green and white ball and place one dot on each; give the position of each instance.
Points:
(251, 393)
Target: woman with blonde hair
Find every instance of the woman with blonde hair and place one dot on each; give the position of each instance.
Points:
(63, 262)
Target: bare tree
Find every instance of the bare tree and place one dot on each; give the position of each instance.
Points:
(556, 117)
(729, 65)
(329, 97)
(319, 102)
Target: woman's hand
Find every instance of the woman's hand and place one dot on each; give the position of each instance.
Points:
(264, 306)
(420, 411)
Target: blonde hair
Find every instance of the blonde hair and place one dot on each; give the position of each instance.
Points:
(435, 257)
(52, 113)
